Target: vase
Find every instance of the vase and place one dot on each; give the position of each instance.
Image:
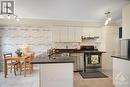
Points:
(19, 54)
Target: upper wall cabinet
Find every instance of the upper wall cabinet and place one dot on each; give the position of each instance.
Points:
(56, 34)
(126, 22)
(91, 33)
(66, 34)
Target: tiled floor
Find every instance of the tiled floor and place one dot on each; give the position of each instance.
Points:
(32, 81)
(20, 80)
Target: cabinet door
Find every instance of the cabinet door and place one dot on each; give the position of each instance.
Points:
(59, 34)
(121, 74)
(81, 62)
(56, 34)
(78, 33)
(126, 22)
(63, 34)
(66, 34)
(75, 61)
(71, 33)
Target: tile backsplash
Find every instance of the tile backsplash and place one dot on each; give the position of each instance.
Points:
(66, 45)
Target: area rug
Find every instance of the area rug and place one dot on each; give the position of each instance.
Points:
(88, 75)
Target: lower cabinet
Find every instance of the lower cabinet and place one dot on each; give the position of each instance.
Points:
(56, 75)
(121, 73)
(81, 62)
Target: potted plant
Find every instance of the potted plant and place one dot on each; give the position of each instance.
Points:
(18, 52)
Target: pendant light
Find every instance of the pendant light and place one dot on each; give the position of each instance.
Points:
(7, 10)
(108, 15)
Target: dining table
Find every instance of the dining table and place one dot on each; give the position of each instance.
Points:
(15, 58)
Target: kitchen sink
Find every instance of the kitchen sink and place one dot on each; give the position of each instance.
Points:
(62, 57)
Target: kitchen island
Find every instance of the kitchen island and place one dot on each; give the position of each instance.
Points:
(121, 74)
(55, 72)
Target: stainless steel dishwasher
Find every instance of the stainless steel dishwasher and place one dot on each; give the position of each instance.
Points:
(78, 61)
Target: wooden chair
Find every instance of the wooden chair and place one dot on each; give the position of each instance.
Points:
(11, 63)
(28, 65)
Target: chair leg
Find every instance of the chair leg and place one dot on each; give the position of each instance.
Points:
(24, 69)
(20, 69)
(32, 68)
(15, 70)
(11, 69)
(17, 67)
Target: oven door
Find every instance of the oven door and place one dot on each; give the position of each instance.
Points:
(94, 61)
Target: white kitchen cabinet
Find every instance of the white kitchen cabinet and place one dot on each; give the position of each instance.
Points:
(78, 61)
(71, 34)
(74, 34)
(75, 59)
(91, 32)
(63, 34)
(121, 73)
(56, 75)
(78, 34)
(66, 34)
(56, 35)
(126, 22)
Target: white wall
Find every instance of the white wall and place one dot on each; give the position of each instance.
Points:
(111, 45)
(37, 38)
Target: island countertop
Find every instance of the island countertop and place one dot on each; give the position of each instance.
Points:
(77, 51)
(54, 71)
(121, 57)
(47, 60)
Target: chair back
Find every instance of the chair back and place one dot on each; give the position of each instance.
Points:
(31, 56)
(7, 55)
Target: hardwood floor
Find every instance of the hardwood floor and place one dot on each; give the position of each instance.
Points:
(32, 81)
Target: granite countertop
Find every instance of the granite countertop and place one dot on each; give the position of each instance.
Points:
(77, 51)
(121, 57)
(47, 60)
(94, 51)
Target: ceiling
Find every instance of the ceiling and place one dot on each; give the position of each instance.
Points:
(83, 10)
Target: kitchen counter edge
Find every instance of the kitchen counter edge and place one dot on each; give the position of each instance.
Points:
(46, 60)
(120, 57)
